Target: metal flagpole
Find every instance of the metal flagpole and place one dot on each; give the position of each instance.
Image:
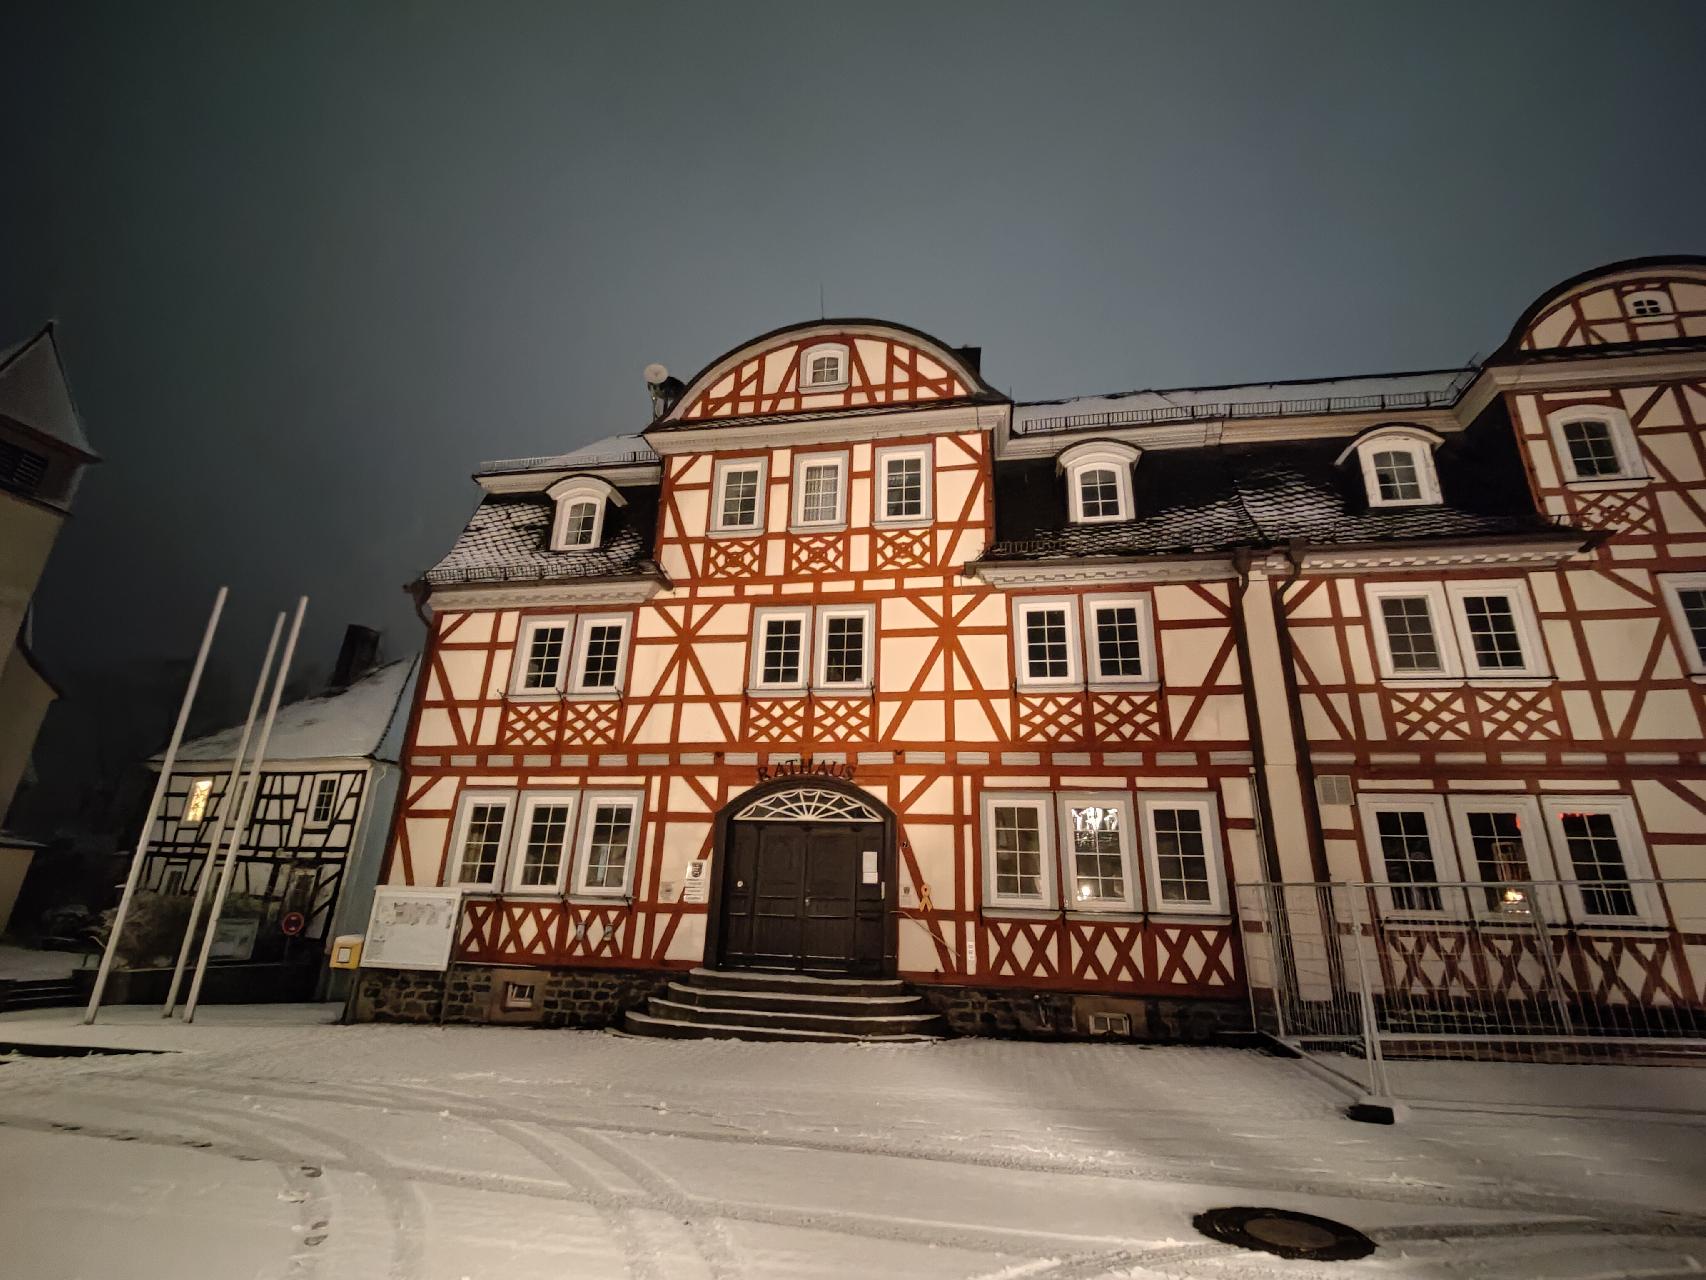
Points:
(244, 810)
(166, 764)
(227, 802)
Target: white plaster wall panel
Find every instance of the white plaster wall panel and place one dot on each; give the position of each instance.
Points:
(777, 364)
(683, 841)
(672, 559)
(1619, 645)
(699, 722)
(695, 507)
(933, 850)
(973, 723)
(477, 630)
(1594, 590)
(1362, 658)
(1188, 655)
(1678, 514)
(434, 728)
(684, 797)
(859, 553)
(486, 732)
(427, 840)
(1664, 411)
(917, 950)
(1350, 599)
(1582, 715)
(953, 486)
(1633, 551)
(1317, 725)
(1560, 640)
(1548, 598)
(463, 669)
(989, 611)
(1373, 718)
(915, 722)
(689, 940)
(445, 619)
(873, 355)
(902, 662)
(730, 621)
(695, 469)
(937, 798)
(1675, 453)
(1317, 604)
(1221, 719)
(1664, 812)
(1344, 860)
(509, 625)
(1667, 714)
(1320, 649)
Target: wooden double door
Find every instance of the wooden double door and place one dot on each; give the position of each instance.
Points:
(804, 896)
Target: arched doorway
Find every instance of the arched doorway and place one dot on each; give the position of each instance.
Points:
(805, 881)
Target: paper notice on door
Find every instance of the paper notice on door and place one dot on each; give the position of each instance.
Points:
(872, 874)
(696, 884)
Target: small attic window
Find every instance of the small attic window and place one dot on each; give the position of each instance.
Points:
(1098, 481)
(582, 502)
(1397, 466)
(1648, 304)
(824, 368)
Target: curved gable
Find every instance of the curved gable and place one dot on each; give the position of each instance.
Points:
(885, 364)
(1644, 300)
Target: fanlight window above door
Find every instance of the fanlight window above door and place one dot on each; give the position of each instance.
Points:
(808, 804)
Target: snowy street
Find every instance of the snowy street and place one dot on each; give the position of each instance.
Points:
(252, 1147)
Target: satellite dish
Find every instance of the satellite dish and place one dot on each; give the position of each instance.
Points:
(655, 374)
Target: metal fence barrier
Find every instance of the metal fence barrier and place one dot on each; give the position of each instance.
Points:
(1416, 990)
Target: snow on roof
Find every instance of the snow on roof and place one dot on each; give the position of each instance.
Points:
(33, 391)
(612, 451)
(1426, 389)
(351, 723)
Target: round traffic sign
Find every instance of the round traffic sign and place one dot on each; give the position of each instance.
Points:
(292, 923)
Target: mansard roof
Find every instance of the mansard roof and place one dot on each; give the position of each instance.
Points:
(508, 539)
(1219, 497)
(1587, 311)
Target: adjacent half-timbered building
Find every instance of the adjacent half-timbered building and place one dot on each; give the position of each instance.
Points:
(848, 665)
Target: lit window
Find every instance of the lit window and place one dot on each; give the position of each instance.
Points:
(1395, 471)
(545, 828)
(1097, 831)
(607, 843)
(739, 489)
(1499, 838)
(325, 799)
(1495, 842)
(542, 651)
(1410, 634)
(480, 849)
(1017, 845)
(195, 804)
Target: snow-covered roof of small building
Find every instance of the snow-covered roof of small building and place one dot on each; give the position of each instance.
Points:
(352, 723)
(612, 451)
(1426, 389)
(34, 393)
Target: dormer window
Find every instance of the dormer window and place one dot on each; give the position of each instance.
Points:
(1397, 466)
(582, 502)
(1098, 481)
(824, 368)
(1648, 304)
(1595, 444)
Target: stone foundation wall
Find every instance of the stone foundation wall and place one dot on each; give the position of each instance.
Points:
(586, 998)
(1017, 1013)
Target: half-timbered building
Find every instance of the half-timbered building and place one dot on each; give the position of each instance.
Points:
(849, 665)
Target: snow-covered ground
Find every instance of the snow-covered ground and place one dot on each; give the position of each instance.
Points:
(266, 1143)
(28, 963)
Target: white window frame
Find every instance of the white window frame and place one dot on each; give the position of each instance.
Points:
(520, 825)
(1205, 803)
(465, 803)
(584, 624)
(1444, 628)
(1418, 442)
(798, 503)
(572, 489)
(1117, 800)
(314, 819)
(755, 668)
(720, 471)
(589, 802)
(1631, 842)
(927, 483)
(1536, 851)
(524, 645)
(205, 787)
(820, 664)
(1534, 664)
(1145, 606)
(1043, 803)
(1022, 609)
(843, 356)
(1440, 843)
(1632, 469)
(1097, 455)
(1693, 659)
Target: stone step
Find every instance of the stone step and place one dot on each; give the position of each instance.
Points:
(643, 1024)
(772, 1001)
(805, 984)
(854, 1026)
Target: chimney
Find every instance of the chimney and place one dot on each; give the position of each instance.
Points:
(356, 657)
(973, 356)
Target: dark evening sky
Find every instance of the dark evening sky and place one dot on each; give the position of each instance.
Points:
(311, 264)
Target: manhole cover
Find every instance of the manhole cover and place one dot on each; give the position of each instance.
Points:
(1279, 1231)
